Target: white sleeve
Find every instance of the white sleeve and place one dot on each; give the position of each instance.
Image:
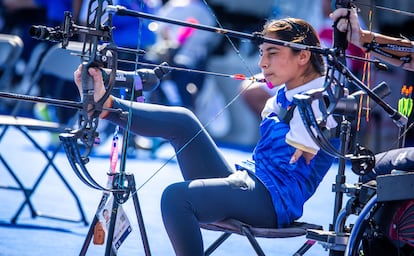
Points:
(299, 137)
(270, 106)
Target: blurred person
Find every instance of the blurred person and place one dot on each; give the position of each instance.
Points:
(135, 33)
(307, 10)
(55, 10)
(182, 47)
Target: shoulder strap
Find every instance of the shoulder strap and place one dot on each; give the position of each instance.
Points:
(286, 114)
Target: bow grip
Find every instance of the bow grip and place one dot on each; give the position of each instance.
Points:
(87, 81)
(91, 109)
(340, 38)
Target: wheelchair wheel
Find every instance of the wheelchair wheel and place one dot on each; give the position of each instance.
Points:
(384, 229)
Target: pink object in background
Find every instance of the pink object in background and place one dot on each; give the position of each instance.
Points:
(185, 32)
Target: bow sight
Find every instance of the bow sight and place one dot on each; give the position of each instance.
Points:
(63, 33)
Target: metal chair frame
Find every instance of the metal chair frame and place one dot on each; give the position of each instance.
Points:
(48, 63)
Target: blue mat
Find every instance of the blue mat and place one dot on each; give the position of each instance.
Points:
(44, 236)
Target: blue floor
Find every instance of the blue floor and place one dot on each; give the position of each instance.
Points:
(44, 236)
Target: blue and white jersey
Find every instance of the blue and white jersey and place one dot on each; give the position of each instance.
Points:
(290, 185)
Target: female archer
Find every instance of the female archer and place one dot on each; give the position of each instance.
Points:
(288, 164)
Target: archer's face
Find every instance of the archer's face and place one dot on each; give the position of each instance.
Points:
(280, 65)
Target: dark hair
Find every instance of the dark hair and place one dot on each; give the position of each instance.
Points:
(296, 31)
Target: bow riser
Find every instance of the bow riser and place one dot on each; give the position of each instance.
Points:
(98, 51)
(340, 41)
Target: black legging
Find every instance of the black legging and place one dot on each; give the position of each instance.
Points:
(206, 195)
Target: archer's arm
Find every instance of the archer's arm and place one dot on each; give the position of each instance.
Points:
(396, 51)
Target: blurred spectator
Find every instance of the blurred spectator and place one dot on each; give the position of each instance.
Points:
(307, 10)
(132, 32)
(55, 10)
(182, 47)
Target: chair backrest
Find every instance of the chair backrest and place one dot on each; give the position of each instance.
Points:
(48, 60)
(59, 62)
(11, 47)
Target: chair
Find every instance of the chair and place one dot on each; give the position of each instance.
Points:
(54, 61)
(11, 47)
(60, 63)
(232, 226)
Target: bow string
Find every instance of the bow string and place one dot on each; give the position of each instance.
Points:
(240, 77)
